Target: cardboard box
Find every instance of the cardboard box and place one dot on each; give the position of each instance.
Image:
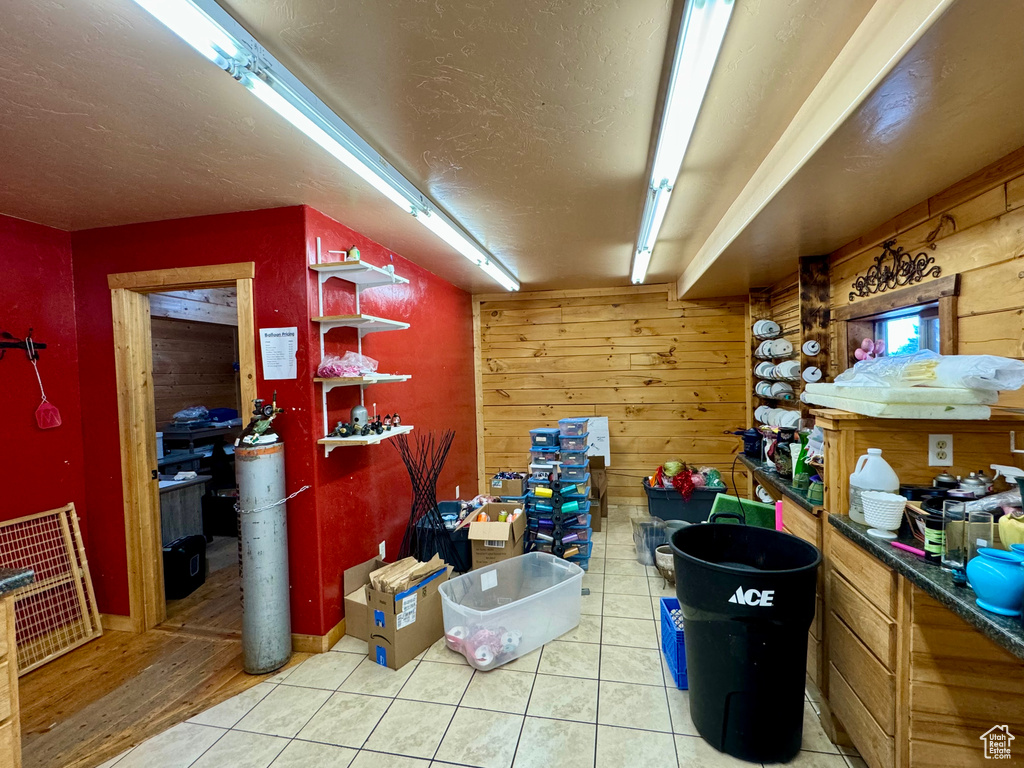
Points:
(508, 487)
(598, 473)
(404, 625)
(354, 582)
(493, 542)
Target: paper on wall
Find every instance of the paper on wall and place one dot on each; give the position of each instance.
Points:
(278, 347)
(599, 442)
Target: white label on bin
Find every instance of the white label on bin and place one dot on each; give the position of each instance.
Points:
(408, 614)
(488, 580)
(753, 597)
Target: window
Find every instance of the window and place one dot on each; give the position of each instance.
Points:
(909, 332)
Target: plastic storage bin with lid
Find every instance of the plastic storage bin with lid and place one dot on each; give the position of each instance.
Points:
(501, 612)
(573, 426)
(872, 473)
(543, 455)
(544, 437)
(573, 442)
(575, 472)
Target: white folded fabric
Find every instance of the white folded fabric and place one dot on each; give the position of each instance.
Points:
(901, 410)
(907, 395)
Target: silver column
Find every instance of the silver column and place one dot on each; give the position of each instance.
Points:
(263, 539)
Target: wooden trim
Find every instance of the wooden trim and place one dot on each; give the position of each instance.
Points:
(478, 388)
(904, 646)
(133, 356)
(576, 293)
(926, 293)
(246, 341)
(318, 643)
(182, 278)
(14, 717)
(135, 410)
(949, 328)
(115, 623)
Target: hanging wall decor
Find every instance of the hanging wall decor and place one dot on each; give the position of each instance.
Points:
(905, 269)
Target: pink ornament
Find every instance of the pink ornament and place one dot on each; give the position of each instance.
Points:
(698, 480)
(860, 354)
(867, 345)
(879, 347)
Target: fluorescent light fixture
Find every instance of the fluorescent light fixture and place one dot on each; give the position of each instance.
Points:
(208, 28)
(194, 27)
(700, 39)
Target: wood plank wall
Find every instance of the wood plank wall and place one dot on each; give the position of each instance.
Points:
(193, 364)
(986, 247)
(668, 374)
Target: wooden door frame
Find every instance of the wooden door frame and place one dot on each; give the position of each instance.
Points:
(133, 359)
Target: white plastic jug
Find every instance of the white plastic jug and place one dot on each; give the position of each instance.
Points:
(872, 473)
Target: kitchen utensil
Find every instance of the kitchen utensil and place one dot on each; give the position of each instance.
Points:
(883, 513)
(998, 580)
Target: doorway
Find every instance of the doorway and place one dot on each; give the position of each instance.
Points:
(133, 318)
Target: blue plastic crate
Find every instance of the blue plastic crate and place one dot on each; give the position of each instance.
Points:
(544, 437)
(672, 643)
(578, 491)
(573, 442)
(575, 472)
(574, 426)
(536, 518)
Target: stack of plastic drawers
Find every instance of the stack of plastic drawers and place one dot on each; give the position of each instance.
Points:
(558, 504)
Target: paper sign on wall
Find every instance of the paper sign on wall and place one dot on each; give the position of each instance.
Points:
(599, 442)
(278, 347)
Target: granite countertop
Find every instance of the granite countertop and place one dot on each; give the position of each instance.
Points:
(768, 476)
(15, 578)
(1005, 630)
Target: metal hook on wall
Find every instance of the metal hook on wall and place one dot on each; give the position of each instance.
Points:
(30, 345)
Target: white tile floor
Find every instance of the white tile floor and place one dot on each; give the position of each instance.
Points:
(600, 696)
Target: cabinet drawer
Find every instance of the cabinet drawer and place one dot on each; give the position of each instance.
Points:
(814, 660)
(875, 581)
(874, 628)
(877, 749)
(801, 523)
(874, 685)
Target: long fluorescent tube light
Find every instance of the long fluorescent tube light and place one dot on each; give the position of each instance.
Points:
(701, 33)
(209, 29)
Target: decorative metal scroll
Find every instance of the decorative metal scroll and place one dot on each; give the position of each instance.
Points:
(905, 269)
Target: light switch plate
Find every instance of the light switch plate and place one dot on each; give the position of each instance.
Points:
(380, 550)
(940, 450)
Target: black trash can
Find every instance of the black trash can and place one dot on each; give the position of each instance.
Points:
(747, 596)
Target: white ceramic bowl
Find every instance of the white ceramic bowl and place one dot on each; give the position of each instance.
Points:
(882, 510)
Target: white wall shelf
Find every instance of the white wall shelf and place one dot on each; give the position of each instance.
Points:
(358, 272)
(330, 443)
(363, 323)
(361, 381)
(362, 276)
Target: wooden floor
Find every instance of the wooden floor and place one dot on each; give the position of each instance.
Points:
(112, 693)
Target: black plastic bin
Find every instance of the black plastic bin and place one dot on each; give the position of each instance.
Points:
(184, 566)
(668, 503)
(747, 596)
(428, 544)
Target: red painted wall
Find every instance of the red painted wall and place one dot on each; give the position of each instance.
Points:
(360, 495)
(42, 468)
(364, 494)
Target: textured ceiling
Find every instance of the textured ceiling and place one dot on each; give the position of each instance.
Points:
(949, 108)
(529, 121)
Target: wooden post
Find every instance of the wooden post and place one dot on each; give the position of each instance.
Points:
(814, 313)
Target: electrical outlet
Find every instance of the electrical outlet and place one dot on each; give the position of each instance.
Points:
(940, 450)
(380, 550)
(457, 492)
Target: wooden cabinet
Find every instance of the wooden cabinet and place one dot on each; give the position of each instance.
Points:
(10, 714)
(807, 526)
